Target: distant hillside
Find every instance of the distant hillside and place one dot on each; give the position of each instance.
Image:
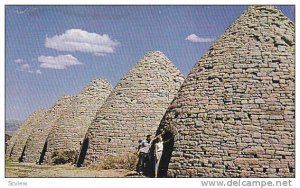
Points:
(11, 126)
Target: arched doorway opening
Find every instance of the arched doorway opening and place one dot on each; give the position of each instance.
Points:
(42, 156)
(22, 157)
(168, 139)
(11, 151)
(83, 151)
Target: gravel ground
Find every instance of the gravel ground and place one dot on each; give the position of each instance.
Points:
(13, 169)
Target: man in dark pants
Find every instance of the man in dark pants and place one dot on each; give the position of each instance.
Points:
(143, 151)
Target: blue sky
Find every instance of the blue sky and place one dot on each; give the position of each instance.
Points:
(53, 51)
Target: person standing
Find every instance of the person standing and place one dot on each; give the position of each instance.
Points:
(159, 146)
(143, 152)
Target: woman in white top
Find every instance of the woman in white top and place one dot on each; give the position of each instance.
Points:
(159, 146)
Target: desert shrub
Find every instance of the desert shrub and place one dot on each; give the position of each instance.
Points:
(64, 156)
(120, 162)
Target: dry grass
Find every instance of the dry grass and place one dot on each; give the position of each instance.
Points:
(128, 162)
(64, 156)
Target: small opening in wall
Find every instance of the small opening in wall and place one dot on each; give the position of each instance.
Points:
(176, 114)
(208, 66)
(226, 101)
(275, 81)
(204, 152)
(202, 164)
(252, 169)
(276, 45)
(289, 42)
(283, 157)
(254, 73)
(255, 155)
(109, 139)
(239, 168)
(264, 169)
(256, 38)
(229, 154)
(291, 169)
(210, 78)
(276, 61)
(277, 170)
(213, 165)
(226, 167)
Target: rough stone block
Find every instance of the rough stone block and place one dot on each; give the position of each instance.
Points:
(246, 161)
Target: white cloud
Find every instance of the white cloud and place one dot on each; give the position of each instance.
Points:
(25, 67)
(58, 62)
(25, 10)
(195, 38)
(22, 11)
(82, 41)
(99, 54)
(18, 60)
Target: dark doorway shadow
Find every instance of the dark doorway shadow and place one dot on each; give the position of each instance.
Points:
(22, 157)
(166, 155)
(42, 156)
(11, 151)
(150, 165)
(83, 150)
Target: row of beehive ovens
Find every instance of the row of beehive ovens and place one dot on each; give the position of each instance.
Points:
(232, 116)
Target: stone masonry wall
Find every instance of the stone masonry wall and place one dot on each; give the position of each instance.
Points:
(68, 134)
(134, 108)
(235, 113)
(18, 140)
(36, 141)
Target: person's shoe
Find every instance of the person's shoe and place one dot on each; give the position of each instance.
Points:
(141, 173)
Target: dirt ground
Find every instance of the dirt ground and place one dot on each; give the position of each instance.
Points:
(14, 169)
